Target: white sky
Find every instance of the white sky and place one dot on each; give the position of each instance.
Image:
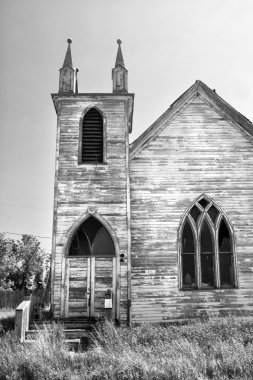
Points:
(167, 45)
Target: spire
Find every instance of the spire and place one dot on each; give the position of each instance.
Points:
(119, 73)
(68, 74)
(119, 58)
(68, 57)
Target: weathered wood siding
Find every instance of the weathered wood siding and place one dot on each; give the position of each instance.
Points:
(199, 152)
(78, 187)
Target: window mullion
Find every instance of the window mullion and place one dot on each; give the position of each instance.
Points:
(198, 261)
(216, 260)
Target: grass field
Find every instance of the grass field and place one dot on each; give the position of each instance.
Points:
(217, 349)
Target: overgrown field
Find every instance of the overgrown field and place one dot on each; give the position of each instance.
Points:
(216, 349)
(7, 319)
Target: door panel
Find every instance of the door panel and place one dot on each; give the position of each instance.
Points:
(77, 297)
(103, 282)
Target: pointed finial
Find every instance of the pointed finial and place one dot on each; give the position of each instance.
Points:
(119, 73)
(68, 74)
(119, 58)
(68, 57)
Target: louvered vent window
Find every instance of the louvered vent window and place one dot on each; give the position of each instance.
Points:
(92, 137)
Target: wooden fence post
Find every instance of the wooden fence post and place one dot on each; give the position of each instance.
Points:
(22, 319)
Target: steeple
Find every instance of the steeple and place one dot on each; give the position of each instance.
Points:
(119, 73)
(68, 74)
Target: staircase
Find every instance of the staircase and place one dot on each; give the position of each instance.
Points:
(77, 331)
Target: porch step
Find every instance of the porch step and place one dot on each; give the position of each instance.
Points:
(69, 333)
(75, 338)
(77, 331)
(70, 323)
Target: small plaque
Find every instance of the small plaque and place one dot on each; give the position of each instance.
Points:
(108, 303)
(108, 299)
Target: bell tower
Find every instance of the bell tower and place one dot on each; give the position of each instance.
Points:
(91, 229)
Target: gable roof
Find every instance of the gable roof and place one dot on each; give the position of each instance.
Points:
(207, 95)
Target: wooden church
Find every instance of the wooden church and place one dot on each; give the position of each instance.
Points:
(157, 230)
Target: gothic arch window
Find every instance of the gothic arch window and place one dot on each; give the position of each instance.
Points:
(92, 239)
(92, 141)
(206, 248)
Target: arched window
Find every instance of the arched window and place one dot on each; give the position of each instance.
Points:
(92, 137)
(206, 248)
(92, 239)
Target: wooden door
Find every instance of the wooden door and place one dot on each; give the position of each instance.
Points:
(89, 280)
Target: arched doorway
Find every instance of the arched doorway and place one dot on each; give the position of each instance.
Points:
(91, 271)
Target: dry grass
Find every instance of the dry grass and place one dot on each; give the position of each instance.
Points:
(216, 349)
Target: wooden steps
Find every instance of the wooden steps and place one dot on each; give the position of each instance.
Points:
(77, 331)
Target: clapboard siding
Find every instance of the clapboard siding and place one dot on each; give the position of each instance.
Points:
(80, 186)
(198, 152)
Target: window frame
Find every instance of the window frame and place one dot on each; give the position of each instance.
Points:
(80, 149)
(214, 229)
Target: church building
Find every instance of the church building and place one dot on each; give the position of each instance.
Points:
(157, 230)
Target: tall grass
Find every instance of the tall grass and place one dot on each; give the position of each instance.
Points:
(217, 349)
(7, 320)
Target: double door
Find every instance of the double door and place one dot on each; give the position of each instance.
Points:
(91, 281)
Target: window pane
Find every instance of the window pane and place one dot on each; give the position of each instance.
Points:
(206, 242)
(188, 264)
(188, 239)
(213, 213)
(91, 227)
(203, 202)
(224, 238)
(103, 244)
(207, 277)
(195, 213)
(80, 245)
(226, 269)
(92, 238)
